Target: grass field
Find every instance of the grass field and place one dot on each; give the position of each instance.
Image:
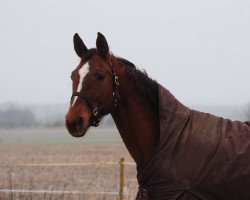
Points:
(57, 146)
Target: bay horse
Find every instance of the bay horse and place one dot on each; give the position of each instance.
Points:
(180, 153)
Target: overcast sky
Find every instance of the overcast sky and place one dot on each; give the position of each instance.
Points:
(199, 50)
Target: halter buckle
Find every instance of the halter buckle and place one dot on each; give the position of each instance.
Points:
(116, 80)
(95, 111)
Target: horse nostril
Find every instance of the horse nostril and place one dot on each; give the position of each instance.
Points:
(79, 123)
(75, 125)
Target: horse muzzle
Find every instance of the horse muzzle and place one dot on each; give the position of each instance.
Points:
(75, 127)
(76, 122)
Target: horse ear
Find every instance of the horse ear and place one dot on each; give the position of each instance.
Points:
(102, 45)
(79, 46)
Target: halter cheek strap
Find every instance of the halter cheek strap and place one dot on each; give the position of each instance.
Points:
(99, 110)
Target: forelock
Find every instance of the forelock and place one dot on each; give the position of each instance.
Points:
(89, 54)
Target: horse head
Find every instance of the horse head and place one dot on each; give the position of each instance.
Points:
(94, 86)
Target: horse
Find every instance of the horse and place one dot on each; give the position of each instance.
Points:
(180, 153)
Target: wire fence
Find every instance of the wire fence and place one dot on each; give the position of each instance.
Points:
(122, 192)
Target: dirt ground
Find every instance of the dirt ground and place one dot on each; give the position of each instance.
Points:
(91, 180)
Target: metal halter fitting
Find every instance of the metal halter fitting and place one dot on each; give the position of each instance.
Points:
(99, 110)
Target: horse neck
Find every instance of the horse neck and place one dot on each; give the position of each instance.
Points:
(136, 121)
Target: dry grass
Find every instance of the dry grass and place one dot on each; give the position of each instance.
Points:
(88, 179)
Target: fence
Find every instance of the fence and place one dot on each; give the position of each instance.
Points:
(121, 193)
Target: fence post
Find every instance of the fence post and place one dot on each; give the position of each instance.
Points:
(121, 192)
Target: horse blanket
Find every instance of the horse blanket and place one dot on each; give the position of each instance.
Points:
(199, 156)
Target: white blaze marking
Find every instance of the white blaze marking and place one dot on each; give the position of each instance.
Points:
(82, 73)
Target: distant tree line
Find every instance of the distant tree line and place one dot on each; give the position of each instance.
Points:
(17, 117)
(14, 116)
(248, 112)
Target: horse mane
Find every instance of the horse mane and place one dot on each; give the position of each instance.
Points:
(147, 87)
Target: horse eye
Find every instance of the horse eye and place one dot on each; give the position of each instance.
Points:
(100, 76)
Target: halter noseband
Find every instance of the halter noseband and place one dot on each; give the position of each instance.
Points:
(99, 110)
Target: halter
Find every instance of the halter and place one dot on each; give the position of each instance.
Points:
(99, 110)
